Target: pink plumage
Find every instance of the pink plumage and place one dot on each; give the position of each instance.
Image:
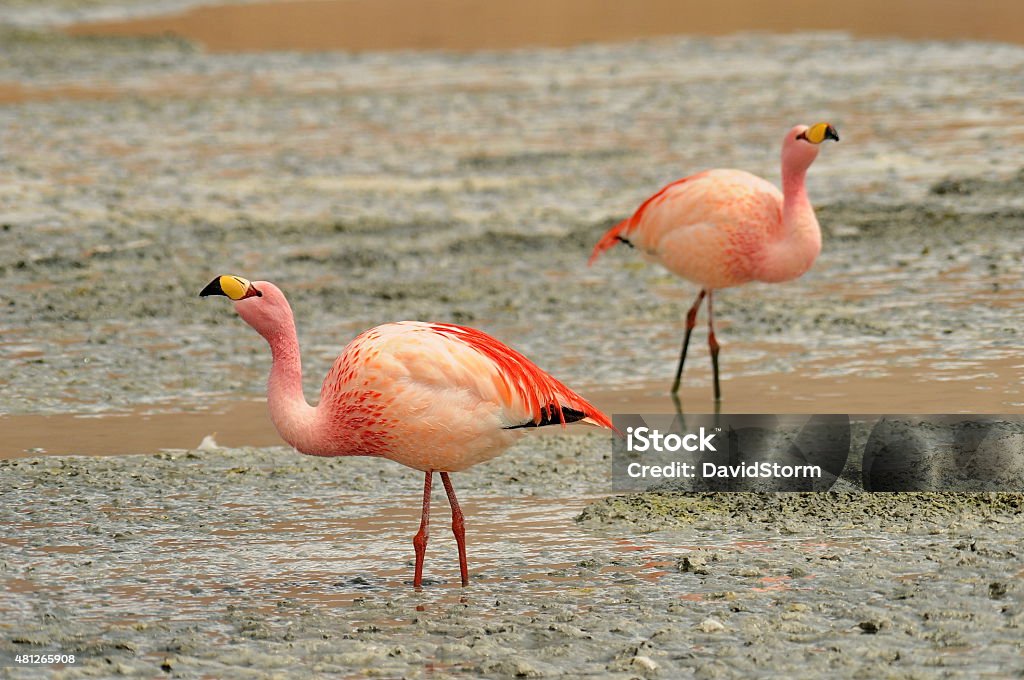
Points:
(724, 228)
(619, 233)
(435, 397)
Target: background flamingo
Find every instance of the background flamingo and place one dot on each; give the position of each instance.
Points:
(722, 228)
(434, 397)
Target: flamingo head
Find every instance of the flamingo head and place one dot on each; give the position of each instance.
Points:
(800, 147)
(260, 303)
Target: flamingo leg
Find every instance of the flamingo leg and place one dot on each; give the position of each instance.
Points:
(713, 346)
(419, 541)
(691, 321)
(458, 527)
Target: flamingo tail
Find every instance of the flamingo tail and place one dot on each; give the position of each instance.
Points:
(615, 235)
(612, 238)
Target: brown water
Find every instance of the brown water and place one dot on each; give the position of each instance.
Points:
(360, 25)
(181, 426)
(13, 93)
(972, 386)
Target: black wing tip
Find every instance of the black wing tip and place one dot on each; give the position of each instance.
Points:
(549, 416)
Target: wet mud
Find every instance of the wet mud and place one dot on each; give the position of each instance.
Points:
(246, 562)
(385, 187)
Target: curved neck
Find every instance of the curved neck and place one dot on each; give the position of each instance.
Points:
(798, 240)
(291, 414)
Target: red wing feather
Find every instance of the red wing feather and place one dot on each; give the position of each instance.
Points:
(542, 395)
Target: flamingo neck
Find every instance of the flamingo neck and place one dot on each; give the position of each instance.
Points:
(291, 414)
(798, 242)
(794, 190)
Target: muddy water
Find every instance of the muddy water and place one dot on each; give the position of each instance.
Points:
(141, 430)
(11, 93)
(879, 382)
(327, 549)
(324, 551)
(358, 25)
(335, 551)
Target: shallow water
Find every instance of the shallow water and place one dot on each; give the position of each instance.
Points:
(868, 382)
(336, 551)
(325, 551)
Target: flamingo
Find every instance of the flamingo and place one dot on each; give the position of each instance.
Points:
(435, 397)
(723, 228)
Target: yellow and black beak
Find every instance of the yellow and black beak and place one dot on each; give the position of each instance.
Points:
(234, 287)
(816, 134)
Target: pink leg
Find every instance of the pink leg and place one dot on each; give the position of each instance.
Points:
(713, 346)
(458, 527)
(691, 321)
(419, 541)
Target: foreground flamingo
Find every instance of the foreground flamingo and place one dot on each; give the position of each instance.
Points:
(432, 396)
(723, 228)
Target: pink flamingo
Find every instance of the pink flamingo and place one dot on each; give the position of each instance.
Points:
(723, 228)
(434, 397)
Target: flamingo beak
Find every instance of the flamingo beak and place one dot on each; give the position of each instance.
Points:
(816, 134)
(233, 287)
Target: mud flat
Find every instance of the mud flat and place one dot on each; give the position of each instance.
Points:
(470, 188)
(260, 562)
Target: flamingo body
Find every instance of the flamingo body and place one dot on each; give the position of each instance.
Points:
(723, 228)
(435, 397)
